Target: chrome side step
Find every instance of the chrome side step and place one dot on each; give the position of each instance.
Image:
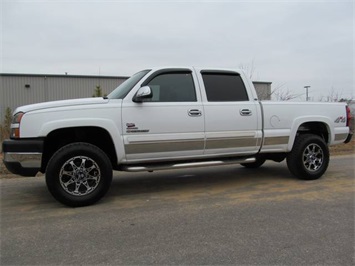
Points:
(172, 166)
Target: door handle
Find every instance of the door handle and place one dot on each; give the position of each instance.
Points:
(245, 112)
(194, 112)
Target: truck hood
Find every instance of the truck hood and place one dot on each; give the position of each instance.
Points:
(54, 104)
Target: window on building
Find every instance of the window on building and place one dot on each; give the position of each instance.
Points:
(224, 87)
(173, 87)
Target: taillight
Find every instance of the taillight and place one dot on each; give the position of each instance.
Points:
(348, 116)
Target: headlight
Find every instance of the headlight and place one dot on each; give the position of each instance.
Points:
(17, 118)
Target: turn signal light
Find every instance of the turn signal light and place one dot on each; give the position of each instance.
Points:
(15, 133)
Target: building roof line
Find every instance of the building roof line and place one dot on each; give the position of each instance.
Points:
(61, 76)
(83, 76)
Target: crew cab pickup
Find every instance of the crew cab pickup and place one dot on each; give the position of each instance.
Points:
(169, 118)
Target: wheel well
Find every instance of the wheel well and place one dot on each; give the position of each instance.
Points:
(93, 135)
(316, 128)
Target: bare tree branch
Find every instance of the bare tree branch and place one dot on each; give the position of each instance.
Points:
(249, 69)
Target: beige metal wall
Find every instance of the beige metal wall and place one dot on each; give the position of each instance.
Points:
(263, 89)
(13, 91)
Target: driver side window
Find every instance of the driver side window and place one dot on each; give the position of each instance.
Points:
(173, 87)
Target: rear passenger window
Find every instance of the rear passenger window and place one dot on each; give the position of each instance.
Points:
(224, 87)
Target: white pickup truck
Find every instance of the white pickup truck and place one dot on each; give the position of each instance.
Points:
(169, 118)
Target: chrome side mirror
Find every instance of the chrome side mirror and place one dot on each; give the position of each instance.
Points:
(144, 92)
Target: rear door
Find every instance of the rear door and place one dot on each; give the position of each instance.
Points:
(170, 125)
(232, 115)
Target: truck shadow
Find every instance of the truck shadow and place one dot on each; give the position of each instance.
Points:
(198, 179)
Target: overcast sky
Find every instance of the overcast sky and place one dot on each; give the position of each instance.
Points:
(290, 43)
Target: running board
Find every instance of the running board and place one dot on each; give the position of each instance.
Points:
(172, 166)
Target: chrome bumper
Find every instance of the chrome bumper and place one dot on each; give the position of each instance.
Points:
(23, 157)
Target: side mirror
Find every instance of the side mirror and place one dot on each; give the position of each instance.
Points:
(144, 92)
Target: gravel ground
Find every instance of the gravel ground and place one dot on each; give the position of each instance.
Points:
(200, 216)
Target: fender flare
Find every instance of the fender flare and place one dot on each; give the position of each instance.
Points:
(105, 124)
(302, 120)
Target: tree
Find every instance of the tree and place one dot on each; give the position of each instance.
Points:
(278, 94)
(283, 95)
(346, 100)
(5, 126)
(98, 92)
(249, 69)
(334, 95)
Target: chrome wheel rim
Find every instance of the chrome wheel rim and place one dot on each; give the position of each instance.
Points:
(313, 157)
(79, 176)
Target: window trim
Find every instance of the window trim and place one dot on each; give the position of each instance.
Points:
(226, 72)
(165, 71)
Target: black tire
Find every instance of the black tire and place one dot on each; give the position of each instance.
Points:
(79, 174)
(309, 157)
(259, 162)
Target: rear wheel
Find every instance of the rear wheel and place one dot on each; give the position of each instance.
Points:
(309, 157)
(79, 174)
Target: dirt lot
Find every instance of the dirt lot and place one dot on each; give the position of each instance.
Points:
(201, 216)
(342, 149)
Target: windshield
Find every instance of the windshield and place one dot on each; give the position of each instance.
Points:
(122, 90)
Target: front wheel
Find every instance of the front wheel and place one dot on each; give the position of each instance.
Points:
(309, 157)
(79, 174)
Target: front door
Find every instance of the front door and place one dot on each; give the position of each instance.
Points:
(170, 125)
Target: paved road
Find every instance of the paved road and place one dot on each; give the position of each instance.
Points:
(215, 215)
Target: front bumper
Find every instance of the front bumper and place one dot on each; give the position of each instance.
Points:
(23, 157)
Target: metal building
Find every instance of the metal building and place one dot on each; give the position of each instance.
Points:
(263, 89)
(22, 89)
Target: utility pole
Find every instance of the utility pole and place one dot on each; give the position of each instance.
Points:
(307, 87)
